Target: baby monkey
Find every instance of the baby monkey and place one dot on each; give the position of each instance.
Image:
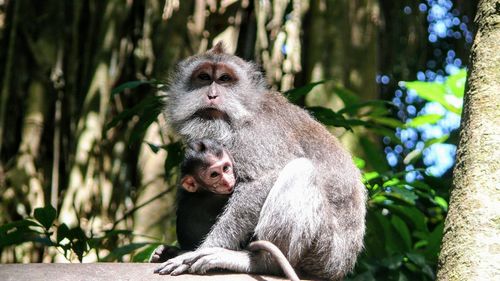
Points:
(208, 176)
(207, 167)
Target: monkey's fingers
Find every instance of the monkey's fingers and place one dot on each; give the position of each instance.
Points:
(198, 254)
(220, 258)
(169, 267)
(178, 262)
(180, 269)
(204, 264)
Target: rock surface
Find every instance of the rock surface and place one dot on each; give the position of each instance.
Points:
(109, 271)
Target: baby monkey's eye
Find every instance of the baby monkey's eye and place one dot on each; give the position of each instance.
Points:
(204, 76)
(214, 174)
(225, 78)
(225, 168)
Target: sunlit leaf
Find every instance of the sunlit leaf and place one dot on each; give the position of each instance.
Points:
(360, 163)
(441, 139)
(456, 83)
(432, 91)
(413, 156)
(427, 119)
(441, 202)
(403, 195)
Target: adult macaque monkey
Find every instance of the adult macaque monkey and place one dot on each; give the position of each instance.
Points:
(297, 187)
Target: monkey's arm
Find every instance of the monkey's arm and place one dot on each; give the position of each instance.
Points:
(241, 214)
(232, 227)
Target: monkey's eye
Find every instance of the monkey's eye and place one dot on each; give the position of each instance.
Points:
(225, 78)
(214, 174)
(226, 168)
(204, 76)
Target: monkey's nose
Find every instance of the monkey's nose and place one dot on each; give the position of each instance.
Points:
(212, 97)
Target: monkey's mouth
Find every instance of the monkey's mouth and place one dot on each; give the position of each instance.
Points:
(211, 113)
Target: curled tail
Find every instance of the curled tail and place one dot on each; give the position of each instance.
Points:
(279, 257)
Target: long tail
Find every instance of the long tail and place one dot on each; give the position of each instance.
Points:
(278, 256)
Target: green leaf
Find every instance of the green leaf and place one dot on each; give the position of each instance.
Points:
(154, 147)
(434, 243)
(62, 232)
(360, 163)
(441, 202)
(143, 255)
(347, 96)
(441, 139)
(45, 216)
(424, 120)
(414, 217)
(131, 85)
(151, 102)
(374, 155)
(413, 156)
(368, 176)
(387, 121)
(294, 95)
(4, 229)
(18, 232)
(328, 117)
(456, 83)
(393, 261)
(403, 231)
(374, 104)
(119, 252)
(432, 91)
(402, 194)
(175, 154)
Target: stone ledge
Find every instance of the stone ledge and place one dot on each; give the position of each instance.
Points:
(109, 271)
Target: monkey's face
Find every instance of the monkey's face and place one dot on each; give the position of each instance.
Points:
(212, 92)
(219, 177)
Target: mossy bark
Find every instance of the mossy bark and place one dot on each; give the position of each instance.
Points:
(471, 245)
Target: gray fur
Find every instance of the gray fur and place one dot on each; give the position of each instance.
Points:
(313, 209)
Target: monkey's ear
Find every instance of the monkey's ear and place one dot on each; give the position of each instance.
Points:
(219, 48)
(189, 184)
(198, 146)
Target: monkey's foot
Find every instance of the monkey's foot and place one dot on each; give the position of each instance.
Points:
(163, 253)
(206, 259)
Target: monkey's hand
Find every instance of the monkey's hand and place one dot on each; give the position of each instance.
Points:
(164, 252)
(206, 259)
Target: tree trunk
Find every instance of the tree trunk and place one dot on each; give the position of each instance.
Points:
(471, 248)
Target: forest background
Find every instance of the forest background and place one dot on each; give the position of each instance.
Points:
(82, 137)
